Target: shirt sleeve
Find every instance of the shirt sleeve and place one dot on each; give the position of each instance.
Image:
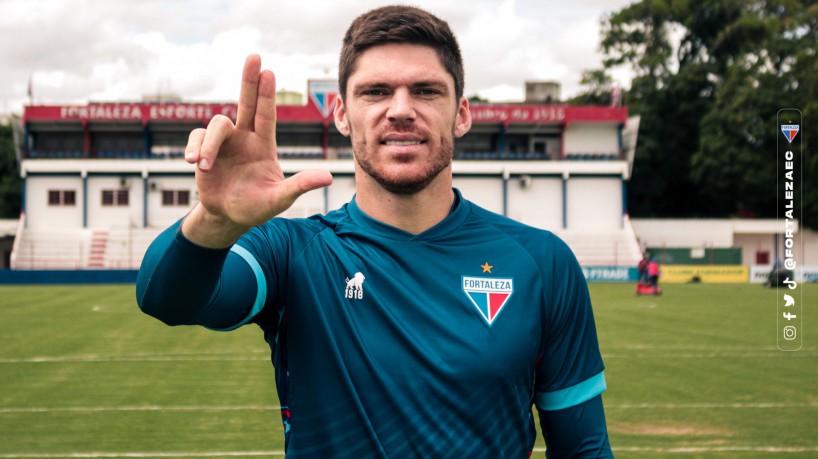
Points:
(181, 283)
(570, 369)
(577, 432)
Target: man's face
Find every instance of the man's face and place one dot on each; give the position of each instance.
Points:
(402, 115)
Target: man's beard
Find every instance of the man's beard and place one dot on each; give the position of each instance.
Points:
(436, 164)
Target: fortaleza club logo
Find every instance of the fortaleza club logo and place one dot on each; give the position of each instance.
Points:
(790, 131)
(323, 94)
(489, 295)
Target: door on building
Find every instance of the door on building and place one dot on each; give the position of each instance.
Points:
(539, 146)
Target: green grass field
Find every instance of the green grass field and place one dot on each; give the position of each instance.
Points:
(694, 373)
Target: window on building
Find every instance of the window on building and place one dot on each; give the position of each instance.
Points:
(115, 198)
(62, 197)
(176, 198)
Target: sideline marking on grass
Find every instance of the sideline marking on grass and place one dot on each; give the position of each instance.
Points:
(674, 406)
(93, 409)
(175, 357)
(650, 449)
(716, 449)
(671, 406)
(754, 354)
(263, 355)
(157, 454)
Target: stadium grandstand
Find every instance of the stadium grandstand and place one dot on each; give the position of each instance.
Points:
(101, 180)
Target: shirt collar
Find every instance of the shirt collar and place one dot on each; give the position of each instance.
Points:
(457, 215)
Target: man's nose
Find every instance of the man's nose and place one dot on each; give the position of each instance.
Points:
(401, 106)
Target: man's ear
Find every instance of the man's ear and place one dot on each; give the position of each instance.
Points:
(340, 115)
(462, 122)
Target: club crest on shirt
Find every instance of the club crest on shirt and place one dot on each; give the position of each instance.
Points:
(488, 294)
(355, 287)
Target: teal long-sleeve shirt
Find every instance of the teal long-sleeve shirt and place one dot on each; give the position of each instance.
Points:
(393, 345)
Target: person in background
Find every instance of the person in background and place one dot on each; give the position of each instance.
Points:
(642, 268)
(653, 274)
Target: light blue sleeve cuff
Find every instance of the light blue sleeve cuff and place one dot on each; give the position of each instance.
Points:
(571, 396)
(261, 287)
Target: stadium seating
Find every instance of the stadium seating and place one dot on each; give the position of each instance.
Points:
(501, 155)
(604, 247)
(592, 156)
(99, 248)
(286, 152)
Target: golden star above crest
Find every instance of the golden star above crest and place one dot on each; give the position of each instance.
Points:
(486, 267)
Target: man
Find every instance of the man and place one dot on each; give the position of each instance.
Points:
(642, 267)
(410, 323)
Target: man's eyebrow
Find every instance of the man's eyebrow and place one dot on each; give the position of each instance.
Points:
(384, 84)
(436, 84)
(429, 83)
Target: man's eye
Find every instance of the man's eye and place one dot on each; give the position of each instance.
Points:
(374, 92)
(428, 92)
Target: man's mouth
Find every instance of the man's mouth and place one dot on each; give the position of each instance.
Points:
(401, 143)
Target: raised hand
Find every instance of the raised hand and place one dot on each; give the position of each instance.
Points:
(238, 176)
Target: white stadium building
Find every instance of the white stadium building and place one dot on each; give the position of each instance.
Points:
(102, 180)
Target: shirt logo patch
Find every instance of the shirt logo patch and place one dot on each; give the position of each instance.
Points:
(489, 295)
(355, 287)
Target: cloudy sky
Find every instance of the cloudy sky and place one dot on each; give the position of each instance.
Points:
(75, 51)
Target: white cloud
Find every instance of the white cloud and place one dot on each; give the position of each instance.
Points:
(81, 50)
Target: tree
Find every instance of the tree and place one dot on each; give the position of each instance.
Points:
(10, 181)
(599, 84)
(710, 77)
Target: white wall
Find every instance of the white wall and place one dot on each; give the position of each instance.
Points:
(114, 216)
(752, 243)
(683, 233)
(40, 215)
(310, 203)
(750, 235)
(340, 192)
(486, 192)
(594, 203)
(537, 204)
(591, 138)
(160, 216)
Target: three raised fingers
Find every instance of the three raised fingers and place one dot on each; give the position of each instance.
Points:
(256, 112)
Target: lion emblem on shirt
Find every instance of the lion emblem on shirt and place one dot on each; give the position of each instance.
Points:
(355, 286)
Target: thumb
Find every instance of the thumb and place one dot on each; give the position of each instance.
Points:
(303, 182)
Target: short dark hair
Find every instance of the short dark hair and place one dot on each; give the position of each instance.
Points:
(400, 24)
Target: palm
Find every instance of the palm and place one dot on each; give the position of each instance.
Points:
(245, 182)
